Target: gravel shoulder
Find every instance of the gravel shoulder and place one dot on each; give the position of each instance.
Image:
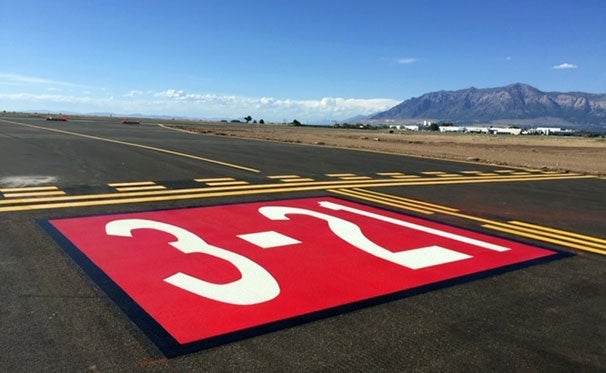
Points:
(572, 154)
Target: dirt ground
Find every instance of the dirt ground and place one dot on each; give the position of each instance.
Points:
(573, 154)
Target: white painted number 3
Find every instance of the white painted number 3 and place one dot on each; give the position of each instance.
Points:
(257, 285)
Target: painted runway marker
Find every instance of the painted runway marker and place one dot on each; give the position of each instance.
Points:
(34, 194)
(199, 277)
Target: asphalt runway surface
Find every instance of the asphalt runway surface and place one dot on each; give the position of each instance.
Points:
(537, 315)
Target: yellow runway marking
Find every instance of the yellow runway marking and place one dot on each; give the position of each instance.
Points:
(221, 181)
(560, 232)
(533, 231)
(564, 236)
(406, 176)
(208, 193)
(28, 189)
(147, 147)
(316, 185)
(299, 180)
(214, 180)
(431, 206)
(340, 175)
(136, 188)
(34, 194)
(284, 177)
(348, 188)
(561, 242)
(135, 183)
(355, 178)
(390, 173)
(290, 178)
(378, 199)
(226, 183)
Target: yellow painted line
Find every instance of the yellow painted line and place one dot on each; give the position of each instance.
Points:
(520, 173)
(78, 201)
(226, 183)
(471, 172)
(215, 179)
(284, 177)
(487, 174)
(504, 171)
(28, 189)
(517, 231)
(156, 198)
(559, 231)
(486, 179)
(291, 178)
(448, 175)
(134, 183)
(339, 175)
(317, 185)
(394, 201)
(147, 147)
(432, 206)
(383, 201)
(406, 176)
(133, 189)
(390, 173)
(545, 239)
(34, 194)
(299, 180)
(433, 172)
(545, 234)
(355, 178)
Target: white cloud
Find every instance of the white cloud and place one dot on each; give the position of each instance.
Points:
(170, 93)
(565, 66)
(133, 93)
(16, 79)
(178, 102)
(51, 98)
(406, 61)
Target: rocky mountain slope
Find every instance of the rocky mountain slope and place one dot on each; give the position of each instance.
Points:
(518, 102)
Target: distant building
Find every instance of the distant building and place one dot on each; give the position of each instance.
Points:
(476, 129)
(404, 127)
(553, 131)
(504, 131)
(452, 129)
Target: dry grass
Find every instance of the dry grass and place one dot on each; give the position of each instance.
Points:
(574, 154)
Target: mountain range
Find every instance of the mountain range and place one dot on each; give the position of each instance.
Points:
(518, 104)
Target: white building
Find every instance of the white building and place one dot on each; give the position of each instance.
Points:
(553, 131)
(452, 129)
(504, 131)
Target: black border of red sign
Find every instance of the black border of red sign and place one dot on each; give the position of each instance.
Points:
(171, 348)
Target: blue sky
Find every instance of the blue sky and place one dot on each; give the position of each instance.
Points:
(280, 60)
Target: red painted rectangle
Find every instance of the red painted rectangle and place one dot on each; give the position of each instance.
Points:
(205, 272)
